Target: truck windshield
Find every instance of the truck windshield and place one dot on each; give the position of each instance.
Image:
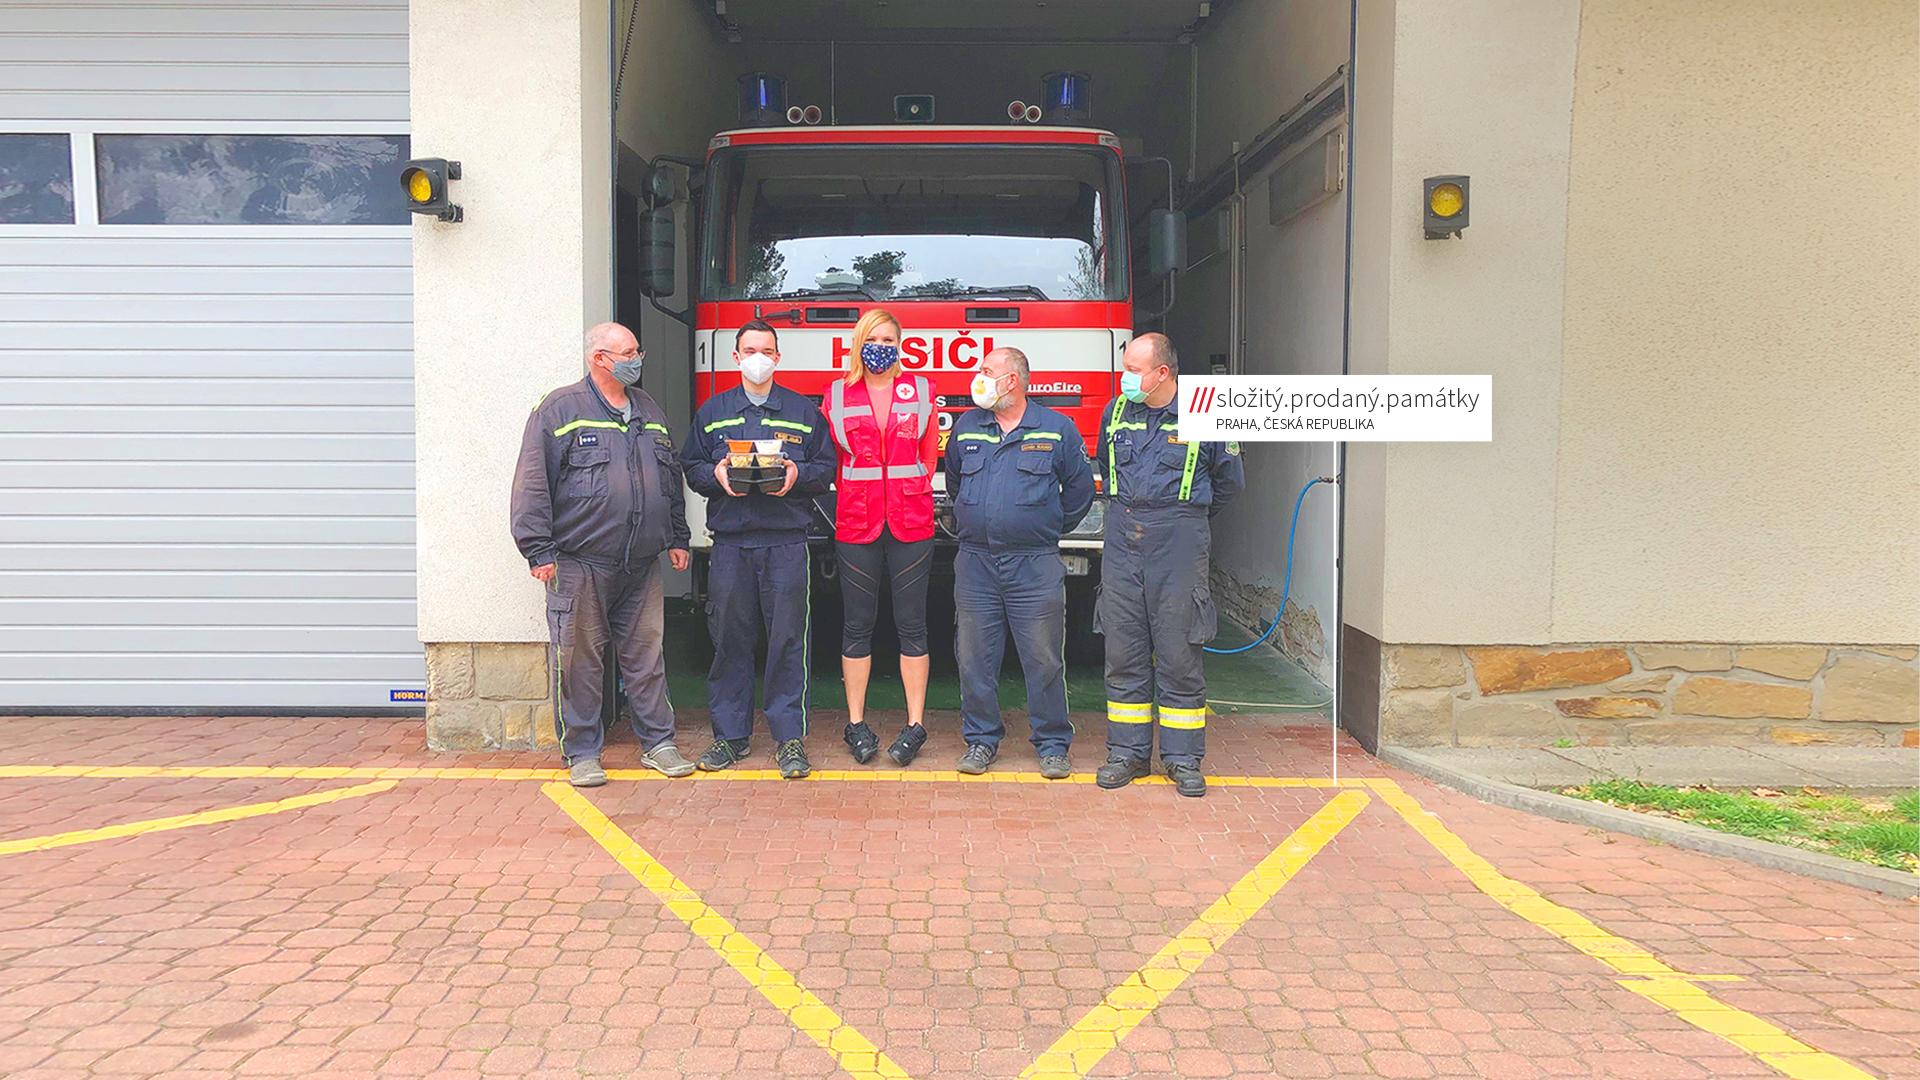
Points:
(907, 221)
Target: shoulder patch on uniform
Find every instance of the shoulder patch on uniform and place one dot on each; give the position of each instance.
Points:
(1233, 448)
(1036, 446)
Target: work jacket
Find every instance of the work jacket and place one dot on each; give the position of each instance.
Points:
(886, 478)
(758, 519)
(594, 487)
(1017, 491)
(1146, 466)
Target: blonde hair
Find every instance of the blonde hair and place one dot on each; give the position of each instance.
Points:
(864, 329)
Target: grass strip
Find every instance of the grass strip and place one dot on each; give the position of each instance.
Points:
(1877, 831)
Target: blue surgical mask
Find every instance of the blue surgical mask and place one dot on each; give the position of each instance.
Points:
(1131, 387)
(879, 358)
(627, 369)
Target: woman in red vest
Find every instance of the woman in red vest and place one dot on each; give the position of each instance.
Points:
(884, 421)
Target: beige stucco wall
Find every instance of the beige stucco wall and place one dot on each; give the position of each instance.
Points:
(517, 91)
(1740, 419)
(1482, 88)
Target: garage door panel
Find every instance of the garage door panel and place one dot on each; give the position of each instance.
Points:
(109, 557)
(210, 502)
(206, 432)
(396, 476)
(250, 697)
(237, 255)
(108, 281)
(191, 446)
(195, 336)
(188, 584)
(189, 420)
(163, 613)
(201, 18)
(209, 639)
(207, 365)
(156, 307)
(191, 529)
(394, 668)
(269, 390)
(190, 49)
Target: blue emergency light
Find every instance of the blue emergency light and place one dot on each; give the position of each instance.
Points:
(763, 100)
(1067, 98)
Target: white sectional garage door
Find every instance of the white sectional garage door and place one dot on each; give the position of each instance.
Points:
(206, 397)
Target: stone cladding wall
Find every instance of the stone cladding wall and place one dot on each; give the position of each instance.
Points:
(489, 696)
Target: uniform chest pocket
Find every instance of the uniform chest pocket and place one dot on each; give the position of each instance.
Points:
(669, 461)
(1035, 478)
(973, 478)
(586, 472)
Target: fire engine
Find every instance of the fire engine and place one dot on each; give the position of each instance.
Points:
(974, 236)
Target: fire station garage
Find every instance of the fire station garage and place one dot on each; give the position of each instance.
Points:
(259, 426)
(206, 428)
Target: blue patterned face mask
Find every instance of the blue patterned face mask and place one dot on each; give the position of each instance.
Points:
(879, 358)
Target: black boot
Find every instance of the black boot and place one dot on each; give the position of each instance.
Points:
(1187, 780)
(862, 741)
(907, 746)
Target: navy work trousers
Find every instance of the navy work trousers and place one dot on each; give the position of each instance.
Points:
(1027, 594)
(1156, 611)
(589, 606)
(753, 591)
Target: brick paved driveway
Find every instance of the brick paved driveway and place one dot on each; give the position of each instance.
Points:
(435, 924)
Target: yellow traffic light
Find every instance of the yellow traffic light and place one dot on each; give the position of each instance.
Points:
(424, 182)
(1444, 209)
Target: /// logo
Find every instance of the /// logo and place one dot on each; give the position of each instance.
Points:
(1337, 408)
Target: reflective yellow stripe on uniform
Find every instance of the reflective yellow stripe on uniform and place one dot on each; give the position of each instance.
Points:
(718, 424)
(1043, 435)
(808, 428)
(977, 436)
(1130, 712)
(1184, 719)
(564, 428)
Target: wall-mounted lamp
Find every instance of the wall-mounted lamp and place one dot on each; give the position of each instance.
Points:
(1445, 206)
(424, 180)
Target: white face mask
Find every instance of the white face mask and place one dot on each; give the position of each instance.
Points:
(756, 367)
(986, 391)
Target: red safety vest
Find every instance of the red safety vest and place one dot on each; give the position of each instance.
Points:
(882, 480)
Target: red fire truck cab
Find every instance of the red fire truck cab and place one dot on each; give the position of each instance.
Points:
(973, 237)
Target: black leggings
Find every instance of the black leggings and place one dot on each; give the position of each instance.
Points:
(907, 567)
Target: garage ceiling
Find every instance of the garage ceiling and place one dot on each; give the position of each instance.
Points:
(1022, 20)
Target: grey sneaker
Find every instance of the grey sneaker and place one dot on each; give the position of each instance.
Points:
(976, 760)
(586, 773)
(666, 760)
(1055, 766)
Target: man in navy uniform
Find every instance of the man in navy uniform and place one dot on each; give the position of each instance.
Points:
(596, 499)
(757, 576)
(1155, 606)
(1019, 477)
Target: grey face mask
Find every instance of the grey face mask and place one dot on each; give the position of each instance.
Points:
(627, 370)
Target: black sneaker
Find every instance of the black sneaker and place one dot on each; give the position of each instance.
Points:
(976, 760)
(722, 754)
(792, 757)
(1055, 766)
(1187, 780)
(1119, 772)
(907, 746)
(862, 741)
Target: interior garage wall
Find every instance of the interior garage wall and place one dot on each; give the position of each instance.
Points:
(1738, 433)
(1259, 59)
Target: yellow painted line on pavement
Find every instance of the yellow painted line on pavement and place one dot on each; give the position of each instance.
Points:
(428, 772)
(851, 1049)
(185, 821)
(1075, 1053)
(1653, 979)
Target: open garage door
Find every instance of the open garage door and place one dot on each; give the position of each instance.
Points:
(206, 450)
